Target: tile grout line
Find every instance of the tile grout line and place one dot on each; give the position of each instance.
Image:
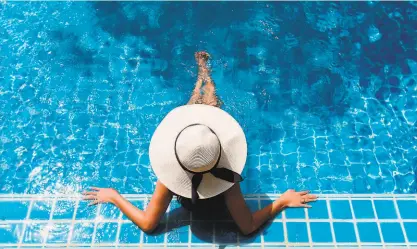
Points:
(331, 221)
(119, 227)
(397, 210)
(310, 239)
(378, 223)
(142, 234)
(49, 224)
(355, 224)
(69, 221)
(142, 197)
(96, 221)
(178, 245)
(284, 227)
(74, 215)
(25, 224)
(181, 245)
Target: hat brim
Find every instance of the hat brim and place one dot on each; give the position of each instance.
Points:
(162, 154)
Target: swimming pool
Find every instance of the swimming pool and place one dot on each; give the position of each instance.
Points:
(325, 92)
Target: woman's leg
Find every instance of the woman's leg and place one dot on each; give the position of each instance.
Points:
(210, 97)
(201, 58)
(209, 89)
(196, 96)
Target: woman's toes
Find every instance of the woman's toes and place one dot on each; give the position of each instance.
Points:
(202, 55)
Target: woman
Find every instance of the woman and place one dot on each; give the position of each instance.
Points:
(198, 153)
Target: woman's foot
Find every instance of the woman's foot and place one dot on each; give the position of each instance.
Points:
(201, 58)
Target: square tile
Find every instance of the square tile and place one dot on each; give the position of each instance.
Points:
(41, 210)
(10, 233)
(265, 203)
(138, 204)
(340, 209)
(35, 233)
(297, 232)
(202, 232)
(320, 232)
(264, 160)
(226, 233)
(64, 210)
(363, 209)
(392, 232)
(14, 210)
(178, 232)
(408, 209)
(106, 232)
(368, 232)
(385, 209)
(58, 233)
(274, 232)
(344, 232)
(109, 211)
(129, 233)
(318, 210)
(83, 233)
(86, 212)
(411, 231)
(295, 213)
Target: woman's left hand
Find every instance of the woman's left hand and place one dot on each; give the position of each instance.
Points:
(291, 198)
(101, 195)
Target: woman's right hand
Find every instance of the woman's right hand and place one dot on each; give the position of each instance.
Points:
(101, 195)
(297, 199)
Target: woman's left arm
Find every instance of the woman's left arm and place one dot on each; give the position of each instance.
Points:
(148, 219)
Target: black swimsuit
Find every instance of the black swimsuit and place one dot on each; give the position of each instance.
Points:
(206, 209)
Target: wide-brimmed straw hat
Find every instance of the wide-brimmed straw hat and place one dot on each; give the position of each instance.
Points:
(198, 151)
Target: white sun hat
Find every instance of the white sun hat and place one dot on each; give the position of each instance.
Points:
(198, 151)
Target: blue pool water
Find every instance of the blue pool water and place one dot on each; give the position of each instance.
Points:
(326, 92)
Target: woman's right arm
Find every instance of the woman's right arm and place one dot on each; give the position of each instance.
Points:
(148, 219)
(249, 222)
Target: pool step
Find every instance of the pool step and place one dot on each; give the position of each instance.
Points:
(66, 221)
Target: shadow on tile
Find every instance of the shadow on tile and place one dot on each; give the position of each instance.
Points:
(216, 228)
